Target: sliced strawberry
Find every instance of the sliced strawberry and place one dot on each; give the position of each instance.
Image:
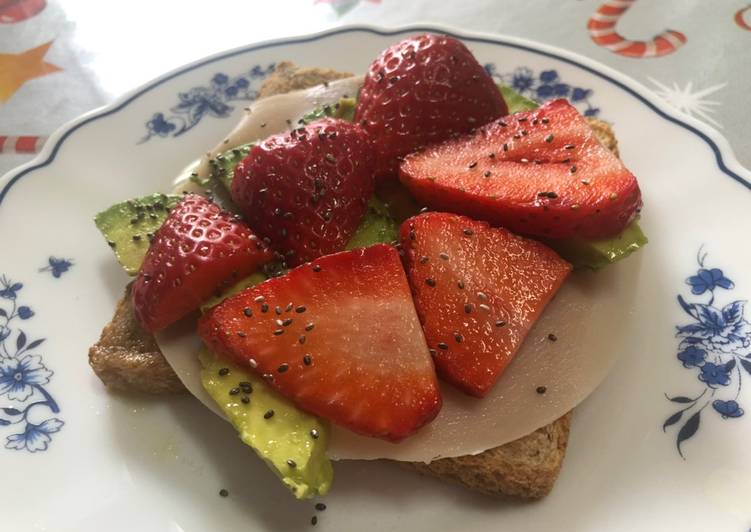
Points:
(478, 290)
(540, 173)
(194, 253)
(306, 191)
(424, 89)
(340, 337)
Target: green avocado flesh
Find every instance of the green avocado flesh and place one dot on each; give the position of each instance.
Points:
(292, 443)
(344, 109)
(129, 225)
(516, 102)
(222, 167)
(377, 227)
(596, 254)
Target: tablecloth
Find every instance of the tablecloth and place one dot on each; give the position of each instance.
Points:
(61, 59)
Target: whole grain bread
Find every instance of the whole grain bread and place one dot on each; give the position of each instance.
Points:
(127, 358)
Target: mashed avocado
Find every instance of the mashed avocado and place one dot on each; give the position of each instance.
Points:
(377, 227)
(292, 443)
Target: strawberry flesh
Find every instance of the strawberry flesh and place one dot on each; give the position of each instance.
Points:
(340, 337)
(478, 291)
(422, 90)
(198, 250)
(306, 191)
(542, 173)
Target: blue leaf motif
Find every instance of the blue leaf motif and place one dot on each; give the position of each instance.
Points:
(687, 307)
(680, 399)
(672, 420)
(21, 340)
(732, 313)
(35, 344)
(711, 317)
(688, 430)
(746, 365)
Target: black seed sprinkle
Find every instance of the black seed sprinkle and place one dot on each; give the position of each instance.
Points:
(241, 334)
(248, 311)
(223, 372)
(492, 155)
(569, 147)
(320, 507)
(259, 299)
(545, 120)
(432, 351)
(468, 232)
(551, 195)
(111, 244)
(458, 338)
(291, 463)
(234, 391)
(472, 165)
(443, 345)
(314, 520)
(572, 169)
(245, 399)
(524, 132)
(316, 268)
(287, 322)
(307, 360)
(223, 492)
(460, 284)
(300, 309)
(278, 332)
(541, 390)
(301, 339)
(282, 367)
(136, 238)
(265, 307)
(309, 326)
(487, 173)
(505, 147)
(481, 296)
(278, 311)
(521, 119)
(269, 414)
(468, 308)
(430, 281)
(549, 138)
(314, 433)
(246, 387)
(288, 307)
(444, 256)
(484, 307)
(500, 323)
(423, 259)
(552, 337)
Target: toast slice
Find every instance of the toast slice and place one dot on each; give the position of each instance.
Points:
(127, 358)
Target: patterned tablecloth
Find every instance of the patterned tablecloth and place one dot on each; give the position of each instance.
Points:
(61, 59)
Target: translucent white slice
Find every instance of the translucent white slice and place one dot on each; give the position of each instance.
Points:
(590, 318)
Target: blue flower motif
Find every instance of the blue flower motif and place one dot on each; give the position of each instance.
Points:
(242, 83)
(715, 329)
(727, 408)
(578, 94)
(544, 91)
(522, 80)
(708, 280)
(548, 76)
(35, 437)
(25, 312)
(692, 356)
(231, 91)
(9, 289)
(199, 101)
(220, 79)
(18, 377)
(561, 90)
(714, 375)
(592, 111)
(159, 126)
(4, 332)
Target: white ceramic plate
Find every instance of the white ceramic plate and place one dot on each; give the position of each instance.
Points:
(74, 457)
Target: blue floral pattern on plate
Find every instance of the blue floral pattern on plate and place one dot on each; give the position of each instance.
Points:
(544, 86)
(23, 376)
(717, 345)
(57, 267)
(212, 100)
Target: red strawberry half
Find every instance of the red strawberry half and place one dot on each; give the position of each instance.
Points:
(340, 337)
(194, 253)
(424, 89)
(478, 290)
(306, 191)
(540, 173)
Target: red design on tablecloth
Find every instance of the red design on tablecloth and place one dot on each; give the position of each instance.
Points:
(601, 26)
(22, 144)
(18, 10)
(741, 20)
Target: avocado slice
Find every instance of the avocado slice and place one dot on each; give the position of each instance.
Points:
(598, 253)
(128, 226)
(344, 109)
(515, 102)
(222, 167)
(291, 442)
(377, 227)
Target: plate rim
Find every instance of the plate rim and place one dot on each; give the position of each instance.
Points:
(723, 152)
